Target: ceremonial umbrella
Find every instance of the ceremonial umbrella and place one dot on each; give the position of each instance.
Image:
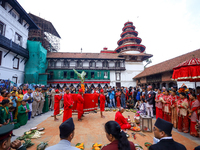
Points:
(188, 70)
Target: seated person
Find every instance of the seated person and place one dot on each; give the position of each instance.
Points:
(130, 103)
(142, 107)
(66, 135)
(23, 110)
(11, 117)
(5, 139)
(117, 138)
(137, 104)
(119, 118)
(4, 116)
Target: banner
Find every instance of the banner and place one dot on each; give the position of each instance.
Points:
(90, 102)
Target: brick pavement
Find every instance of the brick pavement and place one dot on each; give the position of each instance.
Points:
(91, 130)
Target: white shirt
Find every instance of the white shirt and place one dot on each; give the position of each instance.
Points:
(62, 145)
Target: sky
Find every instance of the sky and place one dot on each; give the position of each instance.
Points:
(168, 28)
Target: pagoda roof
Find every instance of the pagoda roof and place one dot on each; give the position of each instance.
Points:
(84, 55)
(168, 65)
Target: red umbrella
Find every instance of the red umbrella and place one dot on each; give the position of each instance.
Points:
(187, 71)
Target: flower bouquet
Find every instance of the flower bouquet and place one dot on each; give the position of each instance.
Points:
(96, 146)
(80, 146)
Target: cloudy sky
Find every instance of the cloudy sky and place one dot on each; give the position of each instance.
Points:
(168, 28)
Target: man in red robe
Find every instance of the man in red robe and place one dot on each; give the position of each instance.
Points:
(57, 99)
(102, 103)
(80, 102)
(68, 104)
(119, 118)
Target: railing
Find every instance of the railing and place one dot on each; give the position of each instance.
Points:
(13, 47)
(87, 68)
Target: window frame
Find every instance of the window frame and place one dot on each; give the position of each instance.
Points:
(4, 28)
(119, 76)
(15, 78)
(17, 63)
(21, 39)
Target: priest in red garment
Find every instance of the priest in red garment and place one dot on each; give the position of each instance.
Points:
(80, 102)
(118, 94)
(68, 104)
(57, 99)
(119, 118)
(102, 103)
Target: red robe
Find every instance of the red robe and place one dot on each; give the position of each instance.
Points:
(67, 103)
(119, 118)
(118, 98)
(102, 102)
(159, 111)
(174, 115)
(80, 102)
(57, 99)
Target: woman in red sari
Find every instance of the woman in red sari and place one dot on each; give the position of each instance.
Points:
(174, 116)
(118, 94)
(183, 122)
(167, 110)
(159, 105)
(194, 105)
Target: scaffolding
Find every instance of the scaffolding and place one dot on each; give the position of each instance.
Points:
(47, 34)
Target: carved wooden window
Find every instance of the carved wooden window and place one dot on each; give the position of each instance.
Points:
(18, 39)
(79, 63)
(2, 28)
(117, 64)
(92, 64)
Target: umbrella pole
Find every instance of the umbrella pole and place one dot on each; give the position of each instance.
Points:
(195, 87)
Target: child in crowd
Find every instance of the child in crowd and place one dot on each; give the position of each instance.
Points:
(23, 110)
(142, 107)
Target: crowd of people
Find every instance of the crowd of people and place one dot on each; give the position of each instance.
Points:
(180, 106)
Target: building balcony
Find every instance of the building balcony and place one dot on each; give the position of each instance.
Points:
(87, 68)
(13, 47)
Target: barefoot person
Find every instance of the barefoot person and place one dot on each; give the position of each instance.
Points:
(68, 104)
(119, 118)
(102, 103)
(80, 102)
(117, 138)
(5, 139)
(57, 99)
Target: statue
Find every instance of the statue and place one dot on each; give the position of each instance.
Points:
(81, 75)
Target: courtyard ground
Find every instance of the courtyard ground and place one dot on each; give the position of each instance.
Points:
(91, 130)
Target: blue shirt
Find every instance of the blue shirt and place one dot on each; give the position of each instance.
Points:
(138, 95)
(14, 101)
(112, 94)
(62, 145)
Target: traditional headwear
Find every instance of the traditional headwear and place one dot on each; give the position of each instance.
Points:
(101, 90)
(164, 126)
(56, 90)
(67, 88)
(6, 131)
(80, 90)
(66, 128)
